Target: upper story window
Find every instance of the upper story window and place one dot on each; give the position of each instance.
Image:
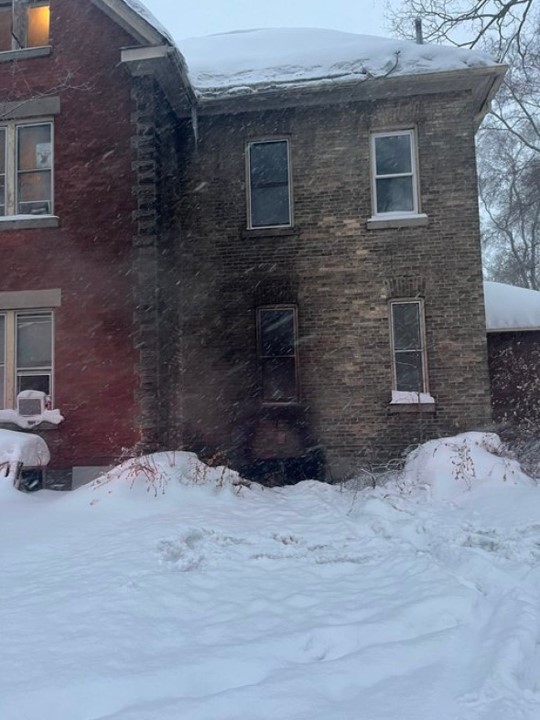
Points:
(409, 346)
(26, 354)
(394, 173)
(24, 24)
(26, 168)
(277, 328)
(269, 184)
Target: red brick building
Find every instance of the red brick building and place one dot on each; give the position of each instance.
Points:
(287, 275)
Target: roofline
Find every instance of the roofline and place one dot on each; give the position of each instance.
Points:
(494, 331)
(135, 24)
(482, 81)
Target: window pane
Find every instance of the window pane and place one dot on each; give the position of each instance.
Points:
(2, 339)
(270, 206)
(34, 341)
(34, 193)
(37, 26)
(2, 171)
(269, 184)
(34, 148)
(34, 382)
(409, 372)
(2, 359)
(5, 28)
(3, 151)
(395, 195)
(279, 380)
(269, 163)
(393, 154)
(407, 328)
(277, 332)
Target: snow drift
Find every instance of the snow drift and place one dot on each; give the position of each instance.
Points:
(415, 600)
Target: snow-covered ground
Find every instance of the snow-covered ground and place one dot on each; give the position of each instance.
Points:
(195, 598)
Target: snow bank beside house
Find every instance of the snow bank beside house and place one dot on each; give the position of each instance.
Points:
(311, 601)
(511, 308)
(448, 467)
(162, 473)
(249, 60)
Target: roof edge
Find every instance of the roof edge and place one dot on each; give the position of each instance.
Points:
(133, 22)
(502, 330)
(482, 81)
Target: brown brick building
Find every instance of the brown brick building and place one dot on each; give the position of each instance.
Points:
(284, 274)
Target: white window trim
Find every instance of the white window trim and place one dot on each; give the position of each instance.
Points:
(423, 349)
(10, 350)
(12, 170)
(261, 358)
(400, 214)
(266, 141)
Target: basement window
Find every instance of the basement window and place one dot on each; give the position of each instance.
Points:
(277, 330)
(24, 24)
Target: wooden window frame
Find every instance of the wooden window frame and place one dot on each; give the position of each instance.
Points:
(268, 141)
(11, 370)
(262, 358)
(423, 344)
(19, 22)
(12, 171)
(414, 174)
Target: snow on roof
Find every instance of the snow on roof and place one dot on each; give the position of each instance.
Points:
(143, 12)
(511, 308)
(248, 60)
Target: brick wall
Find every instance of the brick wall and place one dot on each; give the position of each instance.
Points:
(339, 273)
(89, 256)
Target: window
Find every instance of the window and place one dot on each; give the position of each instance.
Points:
(26, 354)
(408, 346)
(277, 349)
(26, 169)
(269, 184)
(395, 181)
(24, 24)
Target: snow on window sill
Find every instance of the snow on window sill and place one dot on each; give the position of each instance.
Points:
(400, 397)
(26, 222)
(403, 402)
(396, 220)
(50, 417)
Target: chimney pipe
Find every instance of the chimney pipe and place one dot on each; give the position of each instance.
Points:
(419, 32)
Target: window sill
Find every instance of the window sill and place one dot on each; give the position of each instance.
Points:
(27, 222)
(25, 53)
(412, 408)
(382, 222)
(269, 232)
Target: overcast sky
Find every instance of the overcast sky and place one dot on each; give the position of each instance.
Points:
(204, 17)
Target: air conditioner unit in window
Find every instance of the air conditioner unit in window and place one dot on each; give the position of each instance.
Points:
(31, 403)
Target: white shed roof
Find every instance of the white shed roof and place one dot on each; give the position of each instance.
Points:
(510, 308)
